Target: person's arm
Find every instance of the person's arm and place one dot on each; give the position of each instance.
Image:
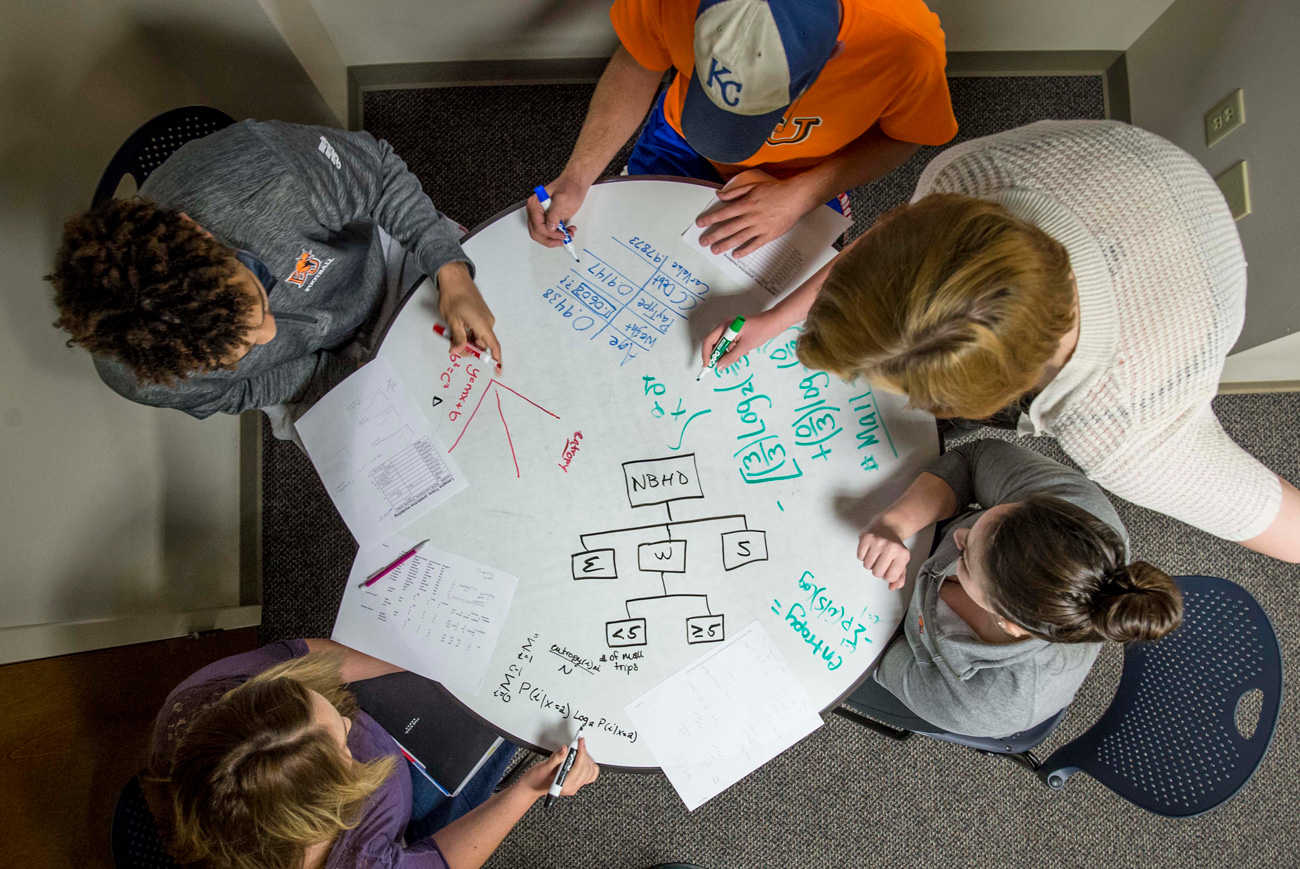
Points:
(347, 177)
(306, 377)
(766, 325)
(880, 546)
(1194, 472)
(1281, 539)
(356, 665)
(986, 472)
(622, 98)
(468, 841)
(756, 208)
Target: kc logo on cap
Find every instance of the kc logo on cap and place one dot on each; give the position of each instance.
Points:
(752, 59)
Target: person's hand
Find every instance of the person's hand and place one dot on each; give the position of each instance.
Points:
(566, 198)
(755, 209)
(758, 330)
(537, 778)
(466, 314)
(882, 552)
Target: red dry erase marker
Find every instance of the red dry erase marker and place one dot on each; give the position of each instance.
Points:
(484, 356)
(380, 574)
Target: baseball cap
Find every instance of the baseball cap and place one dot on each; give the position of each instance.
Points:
(753, 58)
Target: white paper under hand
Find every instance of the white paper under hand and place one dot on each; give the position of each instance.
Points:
(438, 614)
(724, 715)
(783, 262)
(375, 453)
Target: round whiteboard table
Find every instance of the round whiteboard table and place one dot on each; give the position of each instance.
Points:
(648, 516)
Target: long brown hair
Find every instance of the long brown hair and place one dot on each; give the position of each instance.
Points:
(1062, 574)
(950, 301)
(254, 782)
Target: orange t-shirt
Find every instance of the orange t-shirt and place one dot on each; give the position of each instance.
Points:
(891, 71)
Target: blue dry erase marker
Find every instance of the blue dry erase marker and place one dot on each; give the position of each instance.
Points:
(719, 349)
(545, 199)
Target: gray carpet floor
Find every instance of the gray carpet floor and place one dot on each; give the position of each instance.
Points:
(844, 796)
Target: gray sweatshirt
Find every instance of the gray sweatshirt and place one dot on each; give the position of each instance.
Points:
(308, 202)
(952, 678)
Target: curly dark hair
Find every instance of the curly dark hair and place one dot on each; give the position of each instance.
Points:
(143, 284)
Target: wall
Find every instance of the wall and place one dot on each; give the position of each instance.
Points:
(1196, 53)
(413, 31)
(110, 513)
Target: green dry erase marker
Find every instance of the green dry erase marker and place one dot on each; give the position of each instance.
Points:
(732, 333)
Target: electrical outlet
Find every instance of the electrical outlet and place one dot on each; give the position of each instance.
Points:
(1235, 186)
(1225, 117)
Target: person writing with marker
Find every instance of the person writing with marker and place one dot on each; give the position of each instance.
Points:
(263, 761)
(257, 268)
(791, 102)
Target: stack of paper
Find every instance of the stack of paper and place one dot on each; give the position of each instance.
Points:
(724, 715)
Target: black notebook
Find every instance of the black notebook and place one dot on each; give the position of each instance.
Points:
(445, 742)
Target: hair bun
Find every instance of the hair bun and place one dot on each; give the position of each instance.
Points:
(1136, 602)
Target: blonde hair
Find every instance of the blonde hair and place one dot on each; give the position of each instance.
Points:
(950, 301)
(254, 782)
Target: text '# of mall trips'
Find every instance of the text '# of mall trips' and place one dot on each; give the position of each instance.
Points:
(815, 604)
(514, 687)
(626, 297)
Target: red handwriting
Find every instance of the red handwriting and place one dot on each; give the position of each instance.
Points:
(445, 377)
(570, 450)
(464, 393)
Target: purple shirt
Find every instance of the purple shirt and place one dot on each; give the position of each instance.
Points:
(376, 842)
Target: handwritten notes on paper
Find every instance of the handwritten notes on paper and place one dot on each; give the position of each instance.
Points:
(783, 262)
(724, 715)
(375, 454)
(438, 614)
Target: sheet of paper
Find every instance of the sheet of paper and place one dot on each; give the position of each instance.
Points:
(724, 715)
(376, 455)
(438, 614)
(783, 262)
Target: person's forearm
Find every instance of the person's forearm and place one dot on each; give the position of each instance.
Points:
(925, 502)
(868, 157)
(468, 841)
(1282, 537)
(356, 665)
(618, 106)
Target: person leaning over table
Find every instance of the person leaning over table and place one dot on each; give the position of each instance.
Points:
(1085, 277)
(263, 761)
(792, 102)
(256, 269)
(1009, 613)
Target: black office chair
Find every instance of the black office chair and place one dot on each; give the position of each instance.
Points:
(871, 703)
(155, 141)
(1175, 740)
(136, 843)
(1170, 740)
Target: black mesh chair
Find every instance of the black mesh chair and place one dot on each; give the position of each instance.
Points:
(155, 141)
(135, 840)
(876, 709)
(1179, 739)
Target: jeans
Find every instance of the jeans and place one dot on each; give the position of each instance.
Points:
(661, 150)
(431, 809)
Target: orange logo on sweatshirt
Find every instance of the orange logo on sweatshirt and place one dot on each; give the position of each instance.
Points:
(920, 623)
(306, 266)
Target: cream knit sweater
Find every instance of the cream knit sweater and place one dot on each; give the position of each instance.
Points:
(1162, 295)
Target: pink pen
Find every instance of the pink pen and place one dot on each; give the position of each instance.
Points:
(484, 356)
(375, 577)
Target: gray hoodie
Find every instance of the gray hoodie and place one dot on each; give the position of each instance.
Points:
(308, 202)
(954, 679)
